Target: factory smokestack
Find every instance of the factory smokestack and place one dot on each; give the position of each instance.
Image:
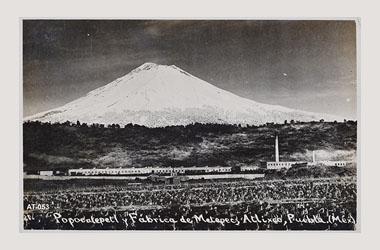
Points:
(276, 151)
(313, 156)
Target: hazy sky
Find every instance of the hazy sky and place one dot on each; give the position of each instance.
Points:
(308, 65)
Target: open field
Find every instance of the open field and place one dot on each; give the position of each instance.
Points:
(329, 203)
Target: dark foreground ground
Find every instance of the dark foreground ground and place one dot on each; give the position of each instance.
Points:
(297, 204)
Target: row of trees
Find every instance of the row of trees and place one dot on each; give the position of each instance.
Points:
(130, 125)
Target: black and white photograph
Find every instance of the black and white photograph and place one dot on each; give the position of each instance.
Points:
(190, 124)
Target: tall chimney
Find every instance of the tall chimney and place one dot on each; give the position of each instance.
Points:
(276, 150)
(313, 156)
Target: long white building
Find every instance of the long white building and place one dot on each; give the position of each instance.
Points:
(156, 170)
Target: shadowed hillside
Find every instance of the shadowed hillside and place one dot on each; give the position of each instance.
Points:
(62, 146)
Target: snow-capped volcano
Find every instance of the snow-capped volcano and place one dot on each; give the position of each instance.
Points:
(158, 95)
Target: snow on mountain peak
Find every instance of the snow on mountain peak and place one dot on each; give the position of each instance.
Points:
(147, 66)
(160, 95)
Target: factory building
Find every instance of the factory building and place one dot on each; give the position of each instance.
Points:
(326, 163)
(277, 164)
(46, 173)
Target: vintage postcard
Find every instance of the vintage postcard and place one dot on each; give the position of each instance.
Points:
(190, 124)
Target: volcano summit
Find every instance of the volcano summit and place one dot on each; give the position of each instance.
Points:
(158, 95)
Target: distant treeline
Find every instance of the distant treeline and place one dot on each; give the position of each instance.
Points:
(74, 145)
(204, 125)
